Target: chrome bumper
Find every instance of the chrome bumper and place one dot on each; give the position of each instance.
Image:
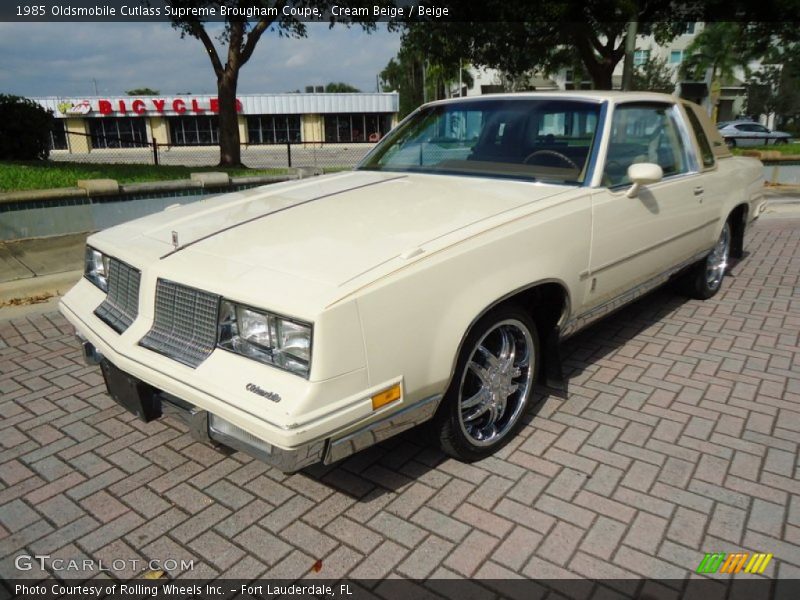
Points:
(327, 449)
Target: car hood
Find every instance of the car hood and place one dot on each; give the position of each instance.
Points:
(330, 230)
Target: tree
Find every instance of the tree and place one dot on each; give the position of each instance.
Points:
(717, 48)
(775, 87)
(340, 88)
(144, 91)
(545, 37)
(25, 128)
(654, 75)
(241, 36)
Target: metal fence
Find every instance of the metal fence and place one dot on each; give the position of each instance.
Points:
(325, 155)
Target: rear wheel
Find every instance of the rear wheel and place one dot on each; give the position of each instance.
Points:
(731, 142)
(492, 385)
(705, 279)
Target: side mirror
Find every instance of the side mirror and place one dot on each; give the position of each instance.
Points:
(642, 174)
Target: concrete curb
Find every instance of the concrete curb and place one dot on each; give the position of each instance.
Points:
(56, 284)
(110, 187)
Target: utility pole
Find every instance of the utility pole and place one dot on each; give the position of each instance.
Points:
(630, 51)
(95, 86)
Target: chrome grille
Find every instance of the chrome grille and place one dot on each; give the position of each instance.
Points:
(121, 305)
(185, 323)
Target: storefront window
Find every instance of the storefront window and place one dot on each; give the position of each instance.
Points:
(357, 127)
(273, 129)
(194, 131)
(118, 133)
(58, 136)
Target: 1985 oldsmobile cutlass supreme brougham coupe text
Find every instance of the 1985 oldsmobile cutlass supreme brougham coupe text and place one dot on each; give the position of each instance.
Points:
(304, 321)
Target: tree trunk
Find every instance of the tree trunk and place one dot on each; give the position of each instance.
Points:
(601, 75)
(229, 143)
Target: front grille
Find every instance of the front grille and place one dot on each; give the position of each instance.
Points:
(185, 323)
(121, 305)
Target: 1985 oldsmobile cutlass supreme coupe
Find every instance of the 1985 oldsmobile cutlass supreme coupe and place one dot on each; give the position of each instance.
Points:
(304, 321)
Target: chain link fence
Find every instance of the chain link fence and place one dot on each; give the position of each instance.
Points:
(85, 148)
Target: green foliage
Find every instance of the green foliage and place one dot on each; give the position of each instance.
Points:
(785, 149)
(25, 128)
(545, 37)
(655, 75)
(721, 48)
(775, 88)
(39, 175)
(144, 91)
(340, 88)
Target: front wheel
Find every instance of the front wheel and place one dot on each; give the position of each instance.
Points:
(492, 385)
(705, 279)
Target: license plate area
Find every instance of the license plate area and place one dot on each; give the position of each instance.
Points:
(132, 394)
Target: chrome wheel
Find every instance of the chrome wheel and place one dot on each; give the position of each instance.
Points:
(496, 382)
(717, 261)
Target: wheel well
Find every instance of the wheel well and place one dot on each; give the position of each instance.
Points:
(737, 220)
(547, 303)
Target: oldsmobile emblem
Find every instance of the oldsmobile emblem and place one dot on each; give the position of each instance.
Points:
(252, 387)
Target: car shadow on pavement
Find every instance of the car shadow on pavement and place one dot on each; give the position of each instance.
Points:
(391, 467)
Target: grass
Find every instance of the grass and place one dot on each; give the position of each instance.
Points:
(793, 148)
(34, 175)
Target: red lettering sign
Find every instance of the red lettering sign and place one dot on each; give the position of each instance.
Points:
(179, 106)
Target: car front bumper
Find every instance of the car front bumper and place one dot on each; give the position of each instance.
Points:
(207, 427)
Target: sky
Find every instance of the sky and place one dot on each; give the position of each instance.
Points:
(57, 59)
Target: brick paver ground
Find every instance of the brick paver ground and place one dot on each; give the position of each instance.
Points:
(679, 436)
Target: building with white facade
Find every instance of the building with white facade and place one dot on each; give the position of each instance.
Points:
(92, 123)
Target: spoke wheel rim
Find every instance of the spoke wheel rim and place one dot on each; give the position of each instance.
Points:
(496, 382)
(717, 261)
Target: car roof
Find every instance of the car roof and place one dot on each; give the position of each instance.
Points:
(593, 95)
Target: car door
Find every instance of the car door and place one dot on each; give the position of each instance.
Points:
(635, 240)
(765, 136)
(751, 135)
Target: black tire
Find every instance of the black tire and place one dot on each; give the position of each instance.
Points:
(472, 432)
(731, 142)
(704, 279)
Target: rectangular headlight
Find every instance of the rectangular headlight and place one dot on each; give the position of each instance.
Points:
(265, 337)
(96, 268)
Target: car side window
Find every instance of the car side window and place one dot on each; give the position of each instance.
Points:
(643, 133)
(705, 147)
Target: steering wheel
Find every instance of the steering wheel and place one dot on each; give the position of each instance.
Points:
(562, 157)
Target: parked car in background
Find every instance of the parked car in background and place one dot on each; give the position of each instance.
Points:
(304, 321)
(750, 133)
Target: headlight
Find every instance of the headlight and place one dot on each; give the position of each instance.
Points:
(265, 337)
(96, 268)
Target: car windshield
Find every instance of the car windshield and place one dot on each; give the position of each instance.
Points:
(519, 138)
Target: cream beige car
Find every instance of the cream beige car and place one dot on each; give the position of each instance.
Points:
(304, 321)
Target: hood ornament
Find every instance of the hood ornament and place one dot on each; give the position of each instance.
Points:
(175, 239)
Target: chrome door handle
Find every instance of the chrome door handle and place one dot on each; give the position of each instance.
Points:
(698, 190)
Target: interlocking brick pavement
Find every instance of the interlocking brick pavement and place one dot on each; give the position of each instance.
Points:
(679, 436)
